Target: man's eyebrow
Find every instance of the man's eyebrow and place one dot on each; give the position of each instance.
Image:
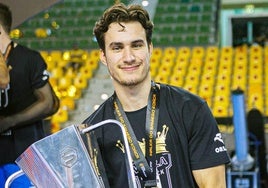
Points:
(137, 41)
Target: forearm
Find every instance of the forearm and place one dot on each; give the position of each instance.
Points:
(31, 114)
(211, 177)
(46, 105)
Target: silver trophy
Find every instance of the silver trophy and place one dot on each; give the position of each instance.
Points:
(68, 159)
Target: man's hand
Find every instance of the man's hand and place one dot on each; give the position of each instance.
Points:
(4, 73)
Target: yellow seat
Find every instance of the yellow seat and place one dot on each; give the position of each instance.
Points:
(226, 60)
(179, 69)
(256, 50)
(160, 77)
(190, 87)
(184, 52)
(255, 78)
(94, 55)
(255, 100)
(212, 52)
(192, 79)
(154, 62)
(225, 69)
(153, 71)
(157, 53)
(80, 82)
(211, 60)
(167, 62)
(86, 72)
(176, 80)
(220, 111)
(223, 79)
(205, 91)
(227, 51)
(67, 103)
(92, 63)
(56, 55)
(198, 52)
(208, 78)
(221, 106)
(241, 50)
(266, 51)
(170, 52)
(181, 61)
(210, 69)
(239, 82)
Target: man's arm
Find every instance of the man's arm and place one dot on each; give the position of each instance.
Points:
(210, 177)
(47, 104)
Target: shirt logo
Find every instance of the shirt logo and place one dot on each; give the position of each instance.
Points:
(45, 75)
(221, 148)
(218, 138)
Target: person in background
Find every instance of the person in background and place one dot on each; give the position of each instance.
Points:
(28, 99)
(173, 136)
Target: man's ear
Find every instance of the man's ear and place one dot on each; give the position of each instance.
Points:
(103, 57)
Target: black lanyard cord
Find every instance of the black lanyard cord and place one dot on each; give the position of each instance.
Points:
(147, 173)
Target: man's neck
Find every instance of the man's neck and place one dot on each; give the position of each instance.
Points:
(133, 98)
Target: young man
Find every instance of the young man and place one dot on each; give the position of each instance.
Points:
(171, 127)
(27, 98)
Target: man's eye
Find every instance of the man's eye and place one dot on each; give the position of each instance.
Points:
(137, 45)
(116, 48)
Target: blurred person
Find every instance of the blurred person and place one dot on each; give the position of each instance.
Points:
(29, 99)
(76, 58)
(173, 136)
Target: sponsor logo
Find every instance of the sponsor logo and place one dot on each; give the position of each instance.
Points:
(45, 75)
(218, 138)
(220, 149)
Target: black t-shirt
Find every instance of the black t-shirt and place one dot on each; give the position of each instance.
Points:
(27, 74)
(187, 139)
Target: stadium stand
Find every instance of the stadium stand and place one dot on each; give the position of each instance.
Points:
(186, 52)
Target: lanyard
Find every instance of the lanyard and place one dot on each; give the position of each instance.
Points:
(9, 48)
(5, 91)
(147, 173)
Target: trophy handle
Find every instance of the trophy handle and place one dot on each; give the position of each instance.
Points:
(131, 176)
(12, 177)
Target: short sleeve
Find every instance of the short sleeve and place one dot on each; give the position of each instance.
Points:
(207, 148)
(39, 74)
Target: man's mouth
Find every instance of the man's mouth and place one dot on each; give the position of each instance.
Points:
(129, 67)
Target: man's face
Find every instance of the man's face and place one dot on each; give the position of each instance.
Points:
(127, 54)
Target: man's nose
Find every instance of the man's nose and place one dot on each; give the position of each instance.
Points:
(128, 55)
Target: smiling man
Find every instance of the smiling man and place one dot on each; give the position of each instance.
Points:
(171, 132)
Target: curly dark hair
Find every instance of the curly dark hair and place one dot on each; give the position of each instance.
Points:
(5, 17)
(122, 13)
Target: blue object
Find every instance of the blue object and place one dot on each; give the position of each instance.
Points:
(240, 127)
(9, 169)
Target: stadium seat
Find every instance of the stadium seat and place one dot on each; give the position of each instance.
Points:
(198, 52)
(184, 52)
(176, 80)
(212, 52)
